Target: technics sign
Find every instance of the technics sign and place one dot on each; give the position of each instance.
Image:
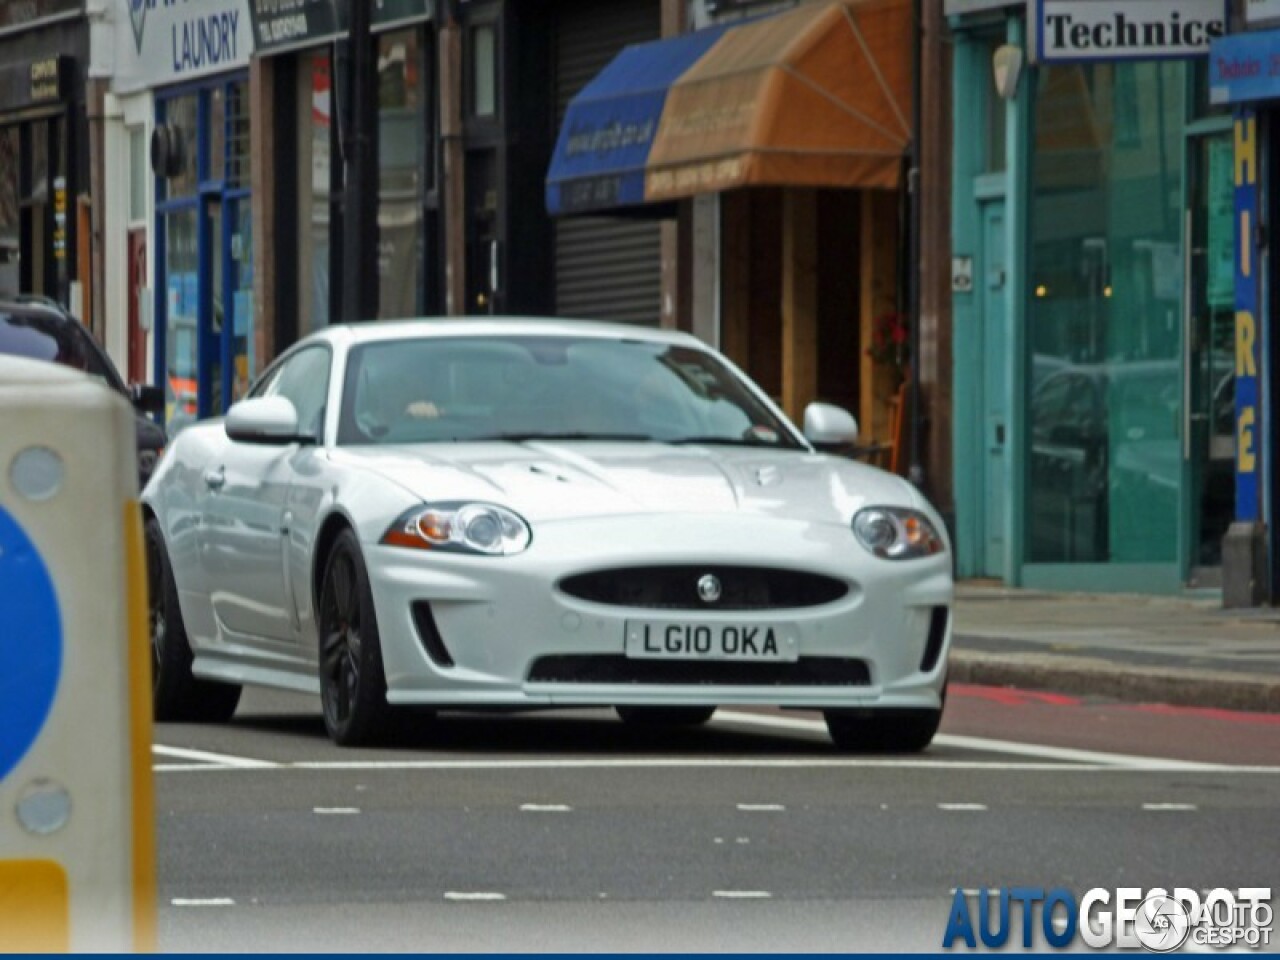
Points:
(1081, 30)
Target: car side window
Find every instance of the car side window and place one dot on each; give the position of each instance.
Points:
(303, 380)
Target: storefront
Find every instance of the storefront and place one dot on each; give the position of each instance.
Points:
(179, 254)
(43, 151)
(1093, 297)
(304, 49)
(795, 126)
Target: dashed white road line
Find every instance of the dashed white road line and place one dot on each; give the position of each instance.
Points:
(1012, 748)
(976, 807)
(202, 902)
(742, 894)
(218, 759)
(761, 807)
(546, 808)
(473, 895)
(1164, 807)
(335, 811)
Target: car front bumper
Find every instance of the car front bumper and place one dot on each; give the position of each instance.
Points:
(500, 618)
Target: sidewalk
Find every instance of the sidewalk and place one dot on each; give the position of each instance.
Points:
(1173, 650)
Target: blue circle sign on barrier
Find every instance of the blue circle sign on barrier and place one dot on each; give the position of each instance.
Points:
(30, 643)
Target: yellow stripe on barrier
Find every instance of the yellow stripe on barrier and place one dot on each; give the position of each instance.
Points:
(35, 910)
(144, 841)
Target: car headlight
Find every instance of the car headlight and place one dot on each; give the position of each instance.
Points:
(461, 528)
(896, 534)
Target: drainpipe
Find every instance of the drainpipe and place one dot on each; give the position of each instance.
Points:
(101, 68)
(360, 189)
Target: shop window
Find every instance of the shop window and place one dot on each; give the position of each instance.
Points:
(401, 158)
(484, 70)
(314, 152)
(1105, 381)
(182, 309)
(180, 116)
(10, 223)
(138, 169)
(238, 144)
(993, 114)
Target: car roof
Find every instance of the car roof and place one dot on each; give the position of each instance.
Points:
(379, 330)
(35, 307)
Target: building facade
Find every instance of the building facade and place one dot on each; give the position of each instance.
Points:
(1093, 296)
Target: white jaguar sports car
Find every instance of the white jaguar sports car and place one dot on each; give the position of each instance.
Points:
(537, 513)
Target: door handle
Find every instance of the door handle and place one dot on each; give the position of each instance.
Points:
(215, 480)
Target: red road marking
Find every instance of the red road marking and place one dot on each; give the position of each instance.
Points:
(1012, 697)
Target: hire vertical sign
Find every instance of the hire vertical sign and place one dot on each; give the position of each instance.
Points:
(1248, 428)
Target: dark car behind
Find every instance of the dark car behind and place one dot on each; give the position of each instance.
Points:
(44, 331)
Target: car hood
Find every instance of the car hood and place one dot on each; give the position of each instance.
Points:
(550, 481)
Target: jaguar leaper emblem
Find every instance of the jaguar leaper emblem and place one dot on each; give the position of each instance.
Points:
(709, 588)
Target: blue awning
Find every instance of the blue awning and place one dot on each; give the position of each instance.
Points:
(599, 160)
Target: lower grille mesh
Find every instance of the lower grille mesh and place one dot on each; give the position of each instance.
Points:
(613, 668)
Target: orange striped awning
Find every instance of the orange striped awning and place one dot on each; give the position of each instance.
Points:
(818, 96)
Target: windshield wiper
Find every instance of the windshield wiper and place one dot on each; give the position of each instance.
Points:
(551, 436)
(721, 441)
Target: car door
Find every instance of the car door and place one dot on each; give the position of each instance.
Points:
(245, 516)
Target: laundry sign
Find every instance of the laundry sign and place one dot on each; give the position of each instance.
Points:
(1075, 31)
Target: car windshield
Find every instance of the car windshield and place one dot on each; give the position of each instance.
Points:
(442, 390)
(56, 339)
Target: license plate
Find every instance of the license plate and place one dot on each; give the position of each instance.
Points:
(682, 640)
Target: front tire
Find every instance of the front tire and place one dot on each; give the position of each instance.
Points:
(903, 731)
(665, 716)
(176, 695)
(353, 686)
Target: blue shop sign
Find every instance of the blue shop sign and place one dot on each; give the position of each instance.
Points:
(1249, 431)
(1244, 67)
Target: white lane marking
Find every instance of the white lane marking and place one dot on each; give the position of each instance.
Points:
(546, 807)
(477, 895)
(205, 902)
(327, 811)
(184, 767)
(1169, 806)
(962, 806)
(220, 759)
(760, 807)
(991, 746)
(742, 894)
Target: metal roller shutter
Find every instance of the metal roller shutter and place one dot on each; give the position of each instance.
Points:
(606, 268)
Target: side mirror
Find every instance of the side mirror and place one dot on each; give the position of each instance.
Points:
(146, 398)
(264, 420)
(829, 426)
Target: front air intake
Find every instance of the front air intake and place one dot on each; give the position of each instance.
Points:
(937, 634)
(429, 634)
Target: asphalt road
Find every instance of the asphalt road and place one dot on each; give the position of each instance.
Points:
(568, 831)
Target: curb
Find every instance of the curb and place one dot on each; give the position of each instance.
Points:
(1083, 676)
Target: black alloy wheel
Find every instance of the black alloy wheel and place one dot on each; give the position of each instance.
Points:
(884, 731)
(353, 687)
(176, 694)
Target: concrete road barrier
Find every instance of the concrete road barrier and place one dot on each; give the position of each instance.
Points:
(77, 848)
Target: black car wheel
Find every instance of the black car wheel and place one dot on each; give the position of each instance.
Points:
(177, 695)
(353, 687)
(666, 716)
(884, 731)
